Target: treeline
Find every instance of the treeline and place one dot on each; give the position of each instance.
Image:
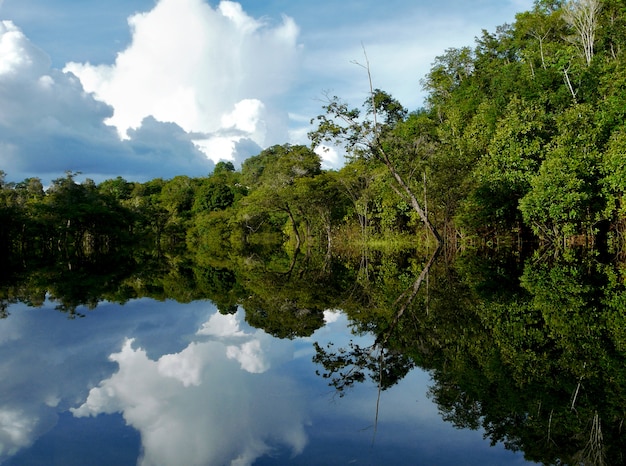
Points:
(528, 128)
(523, 131)
(281, 195)
(523, 134)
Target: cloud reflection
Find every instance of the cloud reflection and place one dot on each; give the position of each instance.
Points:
(214, 402)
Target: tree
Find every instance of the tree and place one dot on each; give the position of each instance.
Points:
(502, 177)
(223, 167)
(612, 30)
(582, 16)
(539, 33)
(177, 195)
(279, 166)
(213, 194)
(365, 138)
(271, 177)
(614, 177)
(357, 180)
(565, 196)
(145, 200)
(446, 75)
(118, 188)
(320, 203)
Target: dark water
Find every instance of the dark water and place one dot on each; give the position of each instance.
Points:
(480, 361)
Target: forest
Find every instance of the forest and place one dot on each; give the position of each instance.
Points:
(522, 136)
(521, 145)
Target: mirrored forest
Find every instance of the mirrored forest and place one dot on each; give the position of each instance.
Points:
(480, 238)
(528, 347)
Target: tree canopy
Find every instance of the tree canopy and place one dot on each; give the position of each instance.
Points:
(521, 135)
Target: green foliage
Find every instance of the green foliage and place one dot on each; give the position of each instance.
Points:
(565, 196)
(279, 166)
(447, 74)
(520, 133)
(213, 195)
(223, 168)
(503, 176)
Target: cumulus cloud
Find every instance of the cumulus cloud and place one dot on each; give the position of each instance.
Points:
(204, 385)
(213, 72)
(222, 326)
(330, 156)
(19, 428)
(200, 81)
(47, 372)
(211, 403)
(250, 356)
(49, 124)
(332, 315)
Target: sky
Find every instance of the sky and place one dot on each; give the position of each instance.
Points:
(160, 88)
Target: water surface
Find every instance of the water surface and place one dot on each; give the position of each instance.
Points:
(164, 383)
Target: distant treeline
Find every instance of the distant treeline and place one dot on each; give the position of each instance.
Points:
(524, 133)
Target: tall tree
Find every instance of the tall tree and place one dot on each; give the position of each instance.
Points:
(271, 177)
(366, 137)
(582, 16)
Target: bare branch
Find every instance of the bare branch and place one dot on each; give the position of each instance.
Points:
(582, 15)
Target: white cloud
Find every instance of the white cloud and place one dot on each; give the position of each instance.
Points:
(18, 55)
(186, 396)
(16, 430)
(331, 316)
(252, 351)
(49, 124)
(250, 356)
(185, 366)
(246, 117)
(45, 373)
(198, 80)
(213, 72)
(330, 156)
(222, 326)
(198, 406)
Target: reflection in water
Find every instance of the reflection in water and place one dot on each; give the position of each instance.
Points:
(203, 388)
(527, 352)
(49, 362)
(214, 402)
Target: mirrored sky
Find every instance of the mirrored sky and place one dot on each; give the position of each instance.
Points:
(178, 383)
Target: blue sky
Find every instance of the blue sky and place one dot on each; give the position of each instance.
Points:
(147, 88)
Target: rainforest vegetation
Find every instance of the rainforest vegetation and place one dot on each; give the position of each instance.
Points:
(522, 140)
(522, 135)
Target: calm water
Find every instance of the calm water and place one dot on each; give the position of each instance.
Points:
(164, 383)
(481, 359)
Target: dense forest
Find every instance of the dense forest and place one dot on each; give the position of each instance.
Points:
(523, 135)
(522, 139)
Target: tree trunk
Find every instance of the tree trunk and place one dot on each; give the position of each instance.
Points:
(378, 151)
(295, 227)
(411, 197)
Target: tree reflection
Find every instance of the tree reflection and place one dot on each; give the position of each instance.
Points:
(531, 350)
(384, 365)
(541, 373)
